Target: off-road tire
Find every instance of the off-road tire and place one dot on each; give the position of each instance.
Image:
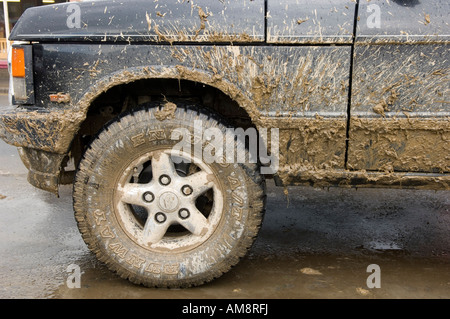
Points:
(112, 228)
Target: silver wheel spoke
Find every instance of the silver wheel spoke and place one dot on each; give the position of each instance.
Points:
(132, 193)
(196, 223)
(162, 164)
(153, 231)
(200, 183)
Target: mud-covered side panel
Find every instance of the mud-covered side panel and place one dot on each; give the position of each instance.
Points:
(400, 108)
(400, 87)
(312, 143)
(279, 81)
(273, 84)
(401, 80)
(400, 144)
(305, 21)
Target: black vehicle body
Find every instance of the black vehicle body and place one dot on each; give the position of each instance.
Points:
(357, 103)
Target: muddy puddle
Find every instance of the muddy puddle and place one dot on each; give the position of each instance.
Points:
(298, 276)
(319, 244)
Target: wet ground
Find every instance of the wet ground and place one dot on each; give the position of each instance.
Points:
(315, 243)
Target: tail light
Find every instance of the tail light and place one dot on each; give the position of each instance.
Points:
(21, 74)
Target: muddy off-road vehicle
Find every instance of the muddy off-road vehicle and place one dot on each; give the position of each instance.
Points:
(340, 92)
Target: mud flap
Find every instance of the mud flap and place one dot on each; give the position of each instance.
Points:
(44, 168)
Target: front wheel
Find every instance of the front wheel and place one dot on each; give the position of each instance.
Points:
(163, 218)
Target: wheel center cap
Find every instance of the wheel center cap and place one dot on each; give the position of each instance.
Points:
(168, 202)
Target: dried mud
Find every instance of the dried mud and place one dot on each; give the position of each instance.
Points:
(313, 142)
(308, 175)
(41, 130)
(166, 112)
(399, 144)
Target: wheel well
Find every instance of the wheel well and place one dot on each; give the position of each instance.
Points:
(125, 97)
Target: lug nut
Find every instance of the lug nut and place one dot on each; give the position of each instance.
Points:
(183, 213)
(160, 218)
(164, 180)
(148, 197)
(187, 190)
